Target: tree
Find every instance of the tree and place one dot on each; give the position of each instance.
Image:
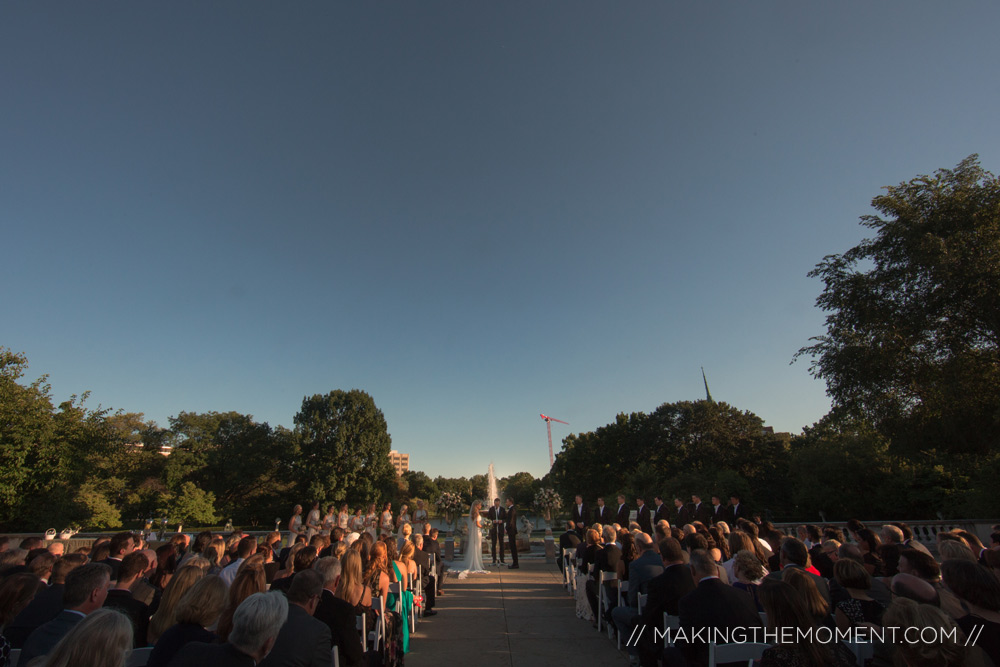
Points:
(912, 341)
(521, 487)
(345, 446)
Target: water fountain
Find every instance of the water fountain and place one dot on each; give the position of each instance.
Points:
(491, 489)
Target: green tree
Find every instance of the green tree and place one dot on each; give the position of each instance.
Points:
(345, 446)
(912, 341)
(521, 487)
(420, 485)
(192, 505)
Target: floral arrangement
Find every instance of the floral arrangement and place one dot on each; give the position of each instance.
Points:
(487, 525)
(448, 502)
(548, 501)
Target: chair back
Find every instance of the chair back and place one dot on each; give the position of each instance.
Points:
(749, 652)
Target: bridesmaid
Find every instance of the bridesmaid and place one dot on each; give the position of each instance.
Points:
(295, 525)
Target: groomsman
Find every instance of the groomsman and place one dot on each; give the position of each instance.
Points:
(700, 511)
(602, 514)
(737, 510)
(642, 517)
(661, 513)
(497, 516)
(511, 524)
(718, 511)
(681, 516)
(580, 513)
(621, 517)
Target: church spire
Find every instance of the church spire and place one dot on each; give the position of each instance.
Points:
(708, 394)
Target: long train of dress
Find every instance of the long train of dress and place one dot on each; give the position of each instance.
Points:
(473, 562)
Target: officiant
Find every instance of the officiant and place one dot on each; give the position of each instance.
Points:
(497, 514)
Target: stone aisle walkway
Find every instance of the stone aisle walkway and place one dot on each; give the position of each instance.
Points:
(509, 618)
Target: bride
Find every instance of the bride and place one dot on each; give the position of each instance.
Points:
(473, 563)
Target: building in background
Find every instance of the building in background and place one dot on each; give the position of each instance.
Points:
(400, 461)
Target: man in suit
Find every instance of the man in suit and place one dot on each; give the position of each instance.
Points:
(737, 510)
(120, 596)
(681, 515)
(793, 555)
(122, 545)
(427, 578)
(303, 640)
(605, 560)
(568, 540)
(579, 513)
(510, 522)
(621, 516)
(712, 607)
(643, 516)
(660, 511)
(432, 546)
(496, 515)
(46, 604)
(256, 625)
(339, 614)
(665, 592)
(700, 511)
(718, 510)
(602, 514)
(85, 592)
(641, 571)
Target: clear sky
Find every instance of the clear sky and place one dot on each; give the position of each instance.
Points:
(474, 211)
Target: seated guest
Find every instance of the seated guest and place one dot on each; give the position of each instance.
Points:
(427, 584)
(302, 560)
(793, 555)
(255, 627)
(246, 548)
(710, 608)
(738, 541)
(859, 607)
(16, 592)
(120, 596)
(979, 590)
(916, 589)
(39, 563)
(749, 573)
(568, 540)
(871, 546)
(199, 609)
(201, 541)
(819, 608)
(338, 614)
(303, 640)
(605, 560)
(215, 552)
(664, 593)
(121, 545)
(942, 647)
(102, 639)
(785, 608)
(166, 565)
(919, 564)
(143, 590)
(86, 589)
(249, 580)
(46, 604)
(955, 549)
(175, 590)
(629, 553)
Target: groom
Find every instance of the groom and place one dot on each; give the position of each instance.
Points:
(496, 515)
(511, 525)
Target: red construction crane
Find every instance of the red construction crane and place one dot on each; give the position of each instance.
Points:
(548, 427)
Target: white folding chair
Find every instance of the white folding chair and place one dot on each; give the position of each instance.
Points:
(360, 623)
(641, 598)
(670, 625)
(336, 657)
(15, 655)
(379, 631)
(603, 600)
(567, 576)
(735, 653)
(763, 618)
(622, 592)
(419, 588)
(396, 588)
(139, 657)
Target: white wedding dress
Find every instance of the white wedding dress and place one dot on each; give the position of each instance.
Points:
(473, 562)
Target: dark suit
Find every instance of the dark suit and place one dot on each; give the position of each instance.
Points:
(602, 515)
(661, 513)
(641, 571)
(427, 578)
(45, 606)
(702, 512)
(433, 547)
(510, 522)
(665, 592)
(605, 560)
(174, 639)
(719, 513)
(681, 516)
(137, 612)
(580, 516)
(712, 604)
(621, 517)
(302, 642)
(340, 618)
(642, 517)
(737, 512)
(568, 540)
(115, 564)
(44, 639)
(497, 516)
(199, 654)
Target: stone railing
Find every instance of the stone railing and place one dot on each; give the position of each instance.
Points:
(924, 532)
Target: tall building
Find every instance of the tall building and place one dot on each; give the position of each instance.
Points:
(400, 461)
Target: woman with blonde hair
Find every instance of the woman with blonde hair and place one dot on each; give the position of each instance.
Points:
(944, 646)
(102, 639)
(179, 584)
(376, 578)
(198, 610)
(215, 552)
(351, 587)
(250, 579)
(748, 573)
(814, 600)
(295, 525)
(405, 532)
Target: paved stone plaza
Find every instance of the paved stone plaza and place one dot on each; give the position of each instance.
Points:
(511, 618)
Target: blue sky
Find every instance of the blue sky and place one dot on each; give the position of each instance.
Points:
(476, 212)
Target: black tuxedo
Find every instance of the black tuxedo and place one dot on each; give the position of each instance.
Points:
(497, 516)
(665, 592)
(681, 516)
(302, 642)
(713, 604)
(510, 523)
(427, 578)
(642, 516)
(737, 512)
(718, 514)
(138, 613)
(661, 513)
(340, 618)
(702, 512)
(199, 654)
(621, 517)
(580, 516)
(602, 515)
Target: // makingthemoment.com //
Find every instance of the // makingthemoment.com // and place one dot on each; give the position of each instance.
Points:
(793, 635)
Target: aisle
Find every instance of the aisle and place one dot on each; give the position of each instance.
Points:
(511, 618)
